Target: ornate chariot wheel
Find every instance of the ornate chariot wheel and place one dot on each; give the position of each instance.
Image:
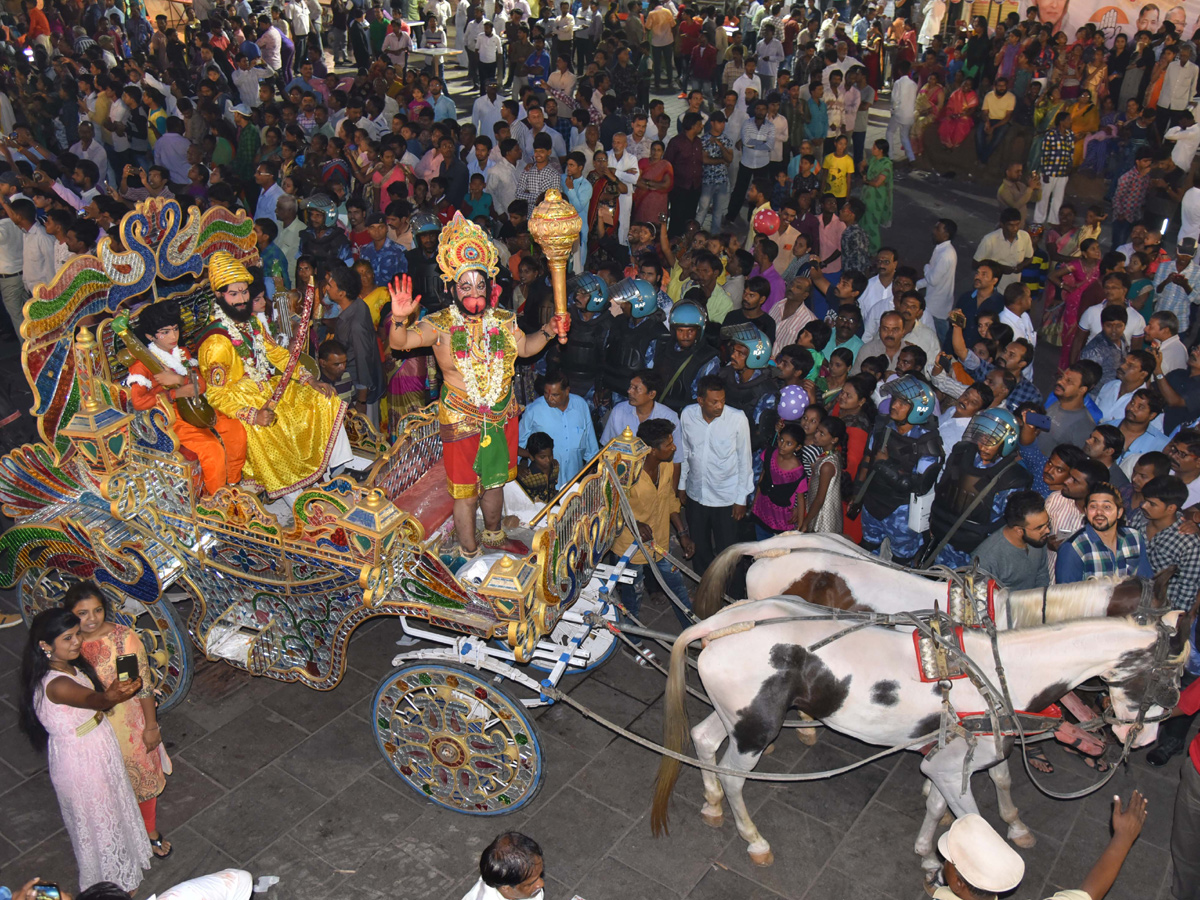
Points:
(457, 739)
(161, 629)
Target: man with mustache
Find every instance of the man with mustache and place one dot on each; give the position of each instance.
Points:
(476, 346)
(1103, 546)
(287, 449)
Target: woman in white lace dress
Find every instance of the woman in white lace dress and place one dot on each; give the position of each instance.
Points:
(62, 711)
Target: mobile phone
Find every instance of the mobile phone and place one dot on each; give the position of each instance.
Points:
(127, 667)
(1038, 421)
(46, 892)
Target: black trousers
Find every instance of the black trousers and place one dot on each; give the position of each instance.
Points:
(745, 176)
(683, 210)
(712, 528)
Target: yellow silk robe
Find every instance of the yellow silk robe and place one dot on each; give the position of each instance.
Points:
(293, 451)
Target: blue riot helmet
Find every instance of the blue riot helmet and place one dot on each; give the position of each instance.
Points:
(687, 314)
(914, 391)
(323, 204)
(591, 285)
(993, 426)
(640, 294)
(758, 346)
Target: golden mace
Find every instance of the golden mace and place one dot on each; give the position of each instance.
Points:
(555, 225)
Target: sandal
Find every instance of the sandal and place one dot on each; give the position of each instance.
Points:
(157, 843)
(1092, 762)
(1037, 759)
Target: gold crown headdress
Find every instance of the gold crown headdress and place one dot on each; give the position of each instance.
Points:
(464, 246)
(225, 269)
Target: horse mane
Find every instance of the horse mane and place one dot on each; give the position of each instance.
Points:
(1063, 602)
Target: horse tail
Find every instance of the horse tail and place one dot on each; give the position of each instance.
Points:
(675, 725)
(712, 586)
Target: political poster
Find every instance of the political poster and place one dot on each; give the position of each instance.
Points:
(1124, 16)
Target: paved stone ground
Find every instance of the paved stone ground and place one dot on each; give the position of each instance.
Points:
(284, 780)
(287, 781)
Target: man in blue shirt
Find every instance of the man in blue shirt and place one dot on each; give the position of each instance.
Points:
(1103, 546)
(567, 420)
(538, 64)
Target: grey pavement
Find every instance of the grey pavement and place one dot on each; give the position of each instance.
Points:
(287, 781)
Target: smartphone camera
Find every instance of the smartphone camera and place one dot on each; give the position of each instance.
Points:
(46, 892)
(127, 667)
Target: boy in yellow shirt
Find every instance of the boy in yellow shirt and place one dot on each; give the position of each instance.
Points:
(838, 167)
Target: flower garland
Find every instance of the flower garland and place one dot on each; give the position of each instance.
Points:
(487, 368)
(254, 358)
(175, 360)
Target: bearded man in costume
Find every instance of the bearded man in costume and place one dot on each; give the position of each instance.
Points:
(287, 449)
(476, 346)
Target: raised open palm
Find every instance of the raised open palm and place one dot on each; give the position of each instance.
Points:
(404, 304)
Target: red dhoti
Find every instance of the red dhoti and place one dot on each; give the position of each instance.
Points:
(462, 429)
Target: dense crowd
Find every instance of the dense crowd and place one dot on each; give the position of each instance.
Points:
(736, 299)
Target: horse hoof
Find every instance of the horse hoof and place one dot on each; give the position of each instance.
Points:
(770, 749)
(1025, 839)
(807, 736)
(762, 859)
(712, 820)
(946, 819)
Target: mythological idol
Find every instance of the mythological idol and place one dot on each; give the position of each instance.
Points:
(476, 346)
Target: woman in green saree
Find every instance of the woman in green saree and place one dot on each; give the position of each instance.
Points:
(877, 192)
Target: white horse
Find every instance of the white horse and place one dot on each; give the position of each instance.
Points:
(829, 570)
(867, 684)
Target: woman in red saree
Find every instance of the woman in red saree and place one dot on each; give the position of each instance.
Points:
(653, 186)
(958, 116)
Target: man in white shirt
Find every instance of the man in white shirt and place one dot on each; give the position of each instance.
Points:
(1116, 288)
(471, 43)
(1017, 303)
(939, 274)
(747, 80)
(87, 147)
(1189, 213)
(1009, 246)
(246, 79)
(1162, 332)
(1178, 87)
(490, 48)
(485, 113)
(502, 177)
(624, 166)
(37, 249)
(769, 54)
(716, 476)
(270, 42)
(290, 227)
(904, 110)
(1186, 137)
(878, 296)
(296, 12)
(171, 151)
(270, 191)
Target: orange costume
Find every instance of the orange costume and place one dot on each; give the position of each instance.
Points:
(221, 455)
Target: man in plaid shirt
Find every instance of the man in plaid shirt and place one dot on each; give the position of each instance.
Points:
(1103, 546)
(1058, 153)
(1158, 522)
(1130, 196)
(1015, 357)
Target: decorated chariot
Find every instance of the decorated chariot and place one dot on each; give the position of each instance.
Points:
(110, 494)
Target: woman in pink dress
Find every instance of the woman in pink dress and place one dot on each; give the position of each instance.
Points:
(62, 710)
(1072, 280)
(135, 722)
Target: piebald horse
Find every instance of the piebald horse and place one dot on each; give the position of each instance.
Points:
(867, 684)
(829, 570)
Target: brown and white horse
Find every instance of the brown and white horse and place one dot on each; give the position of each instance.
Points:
(829, 570)
(867, 684)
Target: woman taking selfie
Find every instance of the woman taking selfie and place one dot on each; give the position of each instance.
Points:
(62, 710)
(135, 721)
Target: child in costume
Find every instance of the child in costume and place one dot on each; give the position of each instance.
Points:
(222, 450)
